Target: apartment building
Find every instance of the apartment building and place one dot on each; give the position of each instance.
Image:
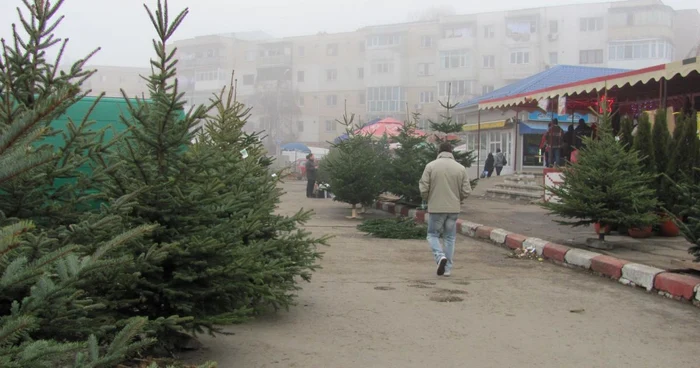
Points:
(300, 86)
(112, 79)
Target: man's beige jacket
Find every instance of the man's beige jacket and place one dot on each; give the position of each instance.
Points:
(445, 184)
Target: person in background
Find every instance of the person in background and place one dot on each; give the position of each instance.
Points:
(499, 161)
(553, 138)
(582, 130)
(569, 142)
(488, 166)
(310, 175)
(444, 185)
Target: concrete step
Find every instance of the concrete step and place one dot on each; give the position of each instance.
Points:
(530, 174)
(520, 196)
(520, 188)
(521, 181)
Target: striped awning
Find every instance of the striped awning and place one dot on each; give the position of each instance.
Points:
(655, 73)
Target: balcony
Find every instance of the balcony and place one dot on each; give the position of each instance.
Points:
(453, 43)
(274, 61)
(519, 71)
(201, 62)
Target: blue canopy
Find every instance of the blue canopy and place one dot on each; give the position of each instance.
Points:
(301, 147)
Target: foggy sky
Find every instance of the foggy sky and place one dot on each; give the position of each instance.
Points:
(124, 31)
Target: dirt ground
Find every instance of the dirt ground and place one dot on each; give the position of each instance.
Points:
(378, 303)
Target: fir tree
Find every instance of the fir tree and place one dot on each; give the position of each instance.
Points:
(446, 127)
(661, 139)
(643, 144)
(47, 318)
(688, 193)
(355, 167)
(626, 129)
(408, 163)
(417, 151)
(683, 152)
(226, 255)
(607, 186)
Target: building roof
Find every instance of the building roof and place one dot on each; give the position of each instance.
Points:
(556, 75)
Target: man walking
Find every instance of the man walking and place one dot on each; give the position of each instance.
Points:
(499, 161)
(310, 175)
(444, 185)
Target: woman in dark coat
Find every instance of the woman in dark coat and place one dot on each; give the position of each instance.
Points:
(488, 166)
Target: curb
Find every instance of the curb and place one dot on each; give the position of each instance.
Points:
(671, 285)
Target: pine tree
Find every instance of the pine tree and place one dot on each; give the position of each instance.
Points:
(355, 167)
(607, 186)
(626, 129)
(689, 193)
(47, 318)
(643, 144)
(408, 163)
(225, 254)
(447, 127)
(661, 139)
(683, 152)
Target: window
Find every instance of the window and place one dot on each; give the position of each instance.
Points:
(426, 42)
(459, 31)
(590, 56)
(489, 61)
(361, 45)
(635, 50)
(300, 126)
(302, 51)
(382, 67)
(332, 49)
(489, 31)
(330, 125)
(386, 99)
(300, 76)
(301, 100)
(553, 58)
(331, 100)
(454, 59)
(331, 75)
(361, 98)
(248, 79)
(591, 24)
(386, 40)
(487, 88)
(211, 75)
(553, 26)
(457, 88)
(427, 97)
(520, 57)
(426, 69)
(360, 73)
(250, 55)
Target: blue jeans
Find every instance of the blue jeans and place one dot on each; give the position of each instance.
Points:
(445, 224)
(555, 157)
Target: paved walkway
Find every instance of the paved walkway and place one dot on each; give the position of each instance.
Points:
(532, 220)
(378, 304)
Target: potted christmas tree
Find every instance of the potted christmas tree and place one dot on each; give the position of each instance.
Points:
(607, 186)
(661, 148)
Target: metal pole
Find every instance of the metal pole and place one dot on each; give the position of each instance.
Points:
(478, 143)
(515, 149)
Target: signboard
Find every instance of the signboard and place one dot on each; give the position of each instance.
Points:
(552, 178)
(547, 116)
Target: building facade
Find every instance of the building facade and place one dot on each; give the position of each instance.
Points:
(301, 87)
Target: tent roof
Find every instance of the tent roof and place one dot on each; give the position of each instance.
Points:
(553, 76)
(609, 81)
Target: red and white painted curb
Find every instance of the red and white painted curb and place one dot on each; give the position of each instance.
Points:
(672, 285)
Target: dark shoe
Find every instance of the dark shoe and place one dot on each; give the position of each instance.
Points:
(441, 266)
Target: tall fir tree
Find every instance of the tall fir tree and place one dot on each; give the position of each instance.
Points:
(643, 144)
(607, 186)
(446, 129)
(417, 151)
(355, 167)
(683, 152)
(47, 317)
(225, 254)
(408, 162)
(626, 129)
(661, 140)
